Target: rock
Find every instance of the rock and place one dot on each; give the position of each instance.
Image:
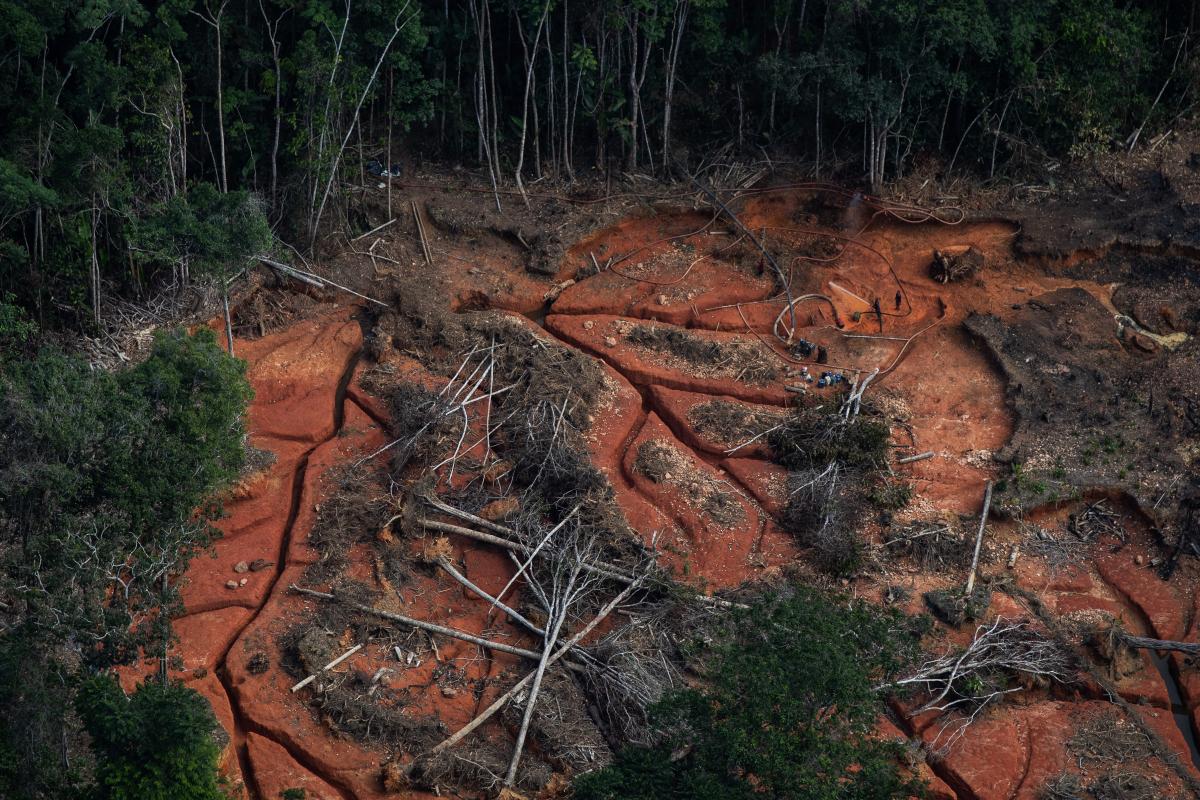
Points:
(231, 584)
(610, 341)
(243, 581)
(662, 300)
(588, 325)
(449, 691)
(1139, 560)
(241, 567)
(260, 564)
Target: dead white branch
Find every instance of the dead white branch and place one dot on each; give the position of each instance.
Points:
(326, 668)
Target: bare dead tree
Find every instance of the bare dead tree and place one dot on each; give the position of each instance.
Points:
(398, 24)
(972, 679)
(563, 583)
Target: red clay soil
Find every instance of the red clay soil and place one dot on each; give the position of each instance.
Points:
(712, 513)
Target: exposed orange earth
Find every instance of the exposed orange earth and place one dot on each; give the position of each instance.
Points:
(310, 413)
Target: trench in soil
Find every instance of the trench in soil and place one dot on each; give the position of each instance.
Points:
(242, 725)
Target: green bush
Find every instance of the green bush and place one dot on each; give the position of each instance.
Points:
(100, 469)
(788, 711)
(156, 744)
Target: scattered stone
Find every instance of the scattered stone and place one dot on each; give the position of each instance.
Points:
(243, 581)
(241, 567)
(259, 564)
(449, 691)
(610, 341)
(662, 300)
(1139, 560)
(589, 324)
(231, 584)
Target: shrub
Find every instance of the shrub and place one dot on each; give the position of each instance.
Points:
(788, 711)
(156, 744)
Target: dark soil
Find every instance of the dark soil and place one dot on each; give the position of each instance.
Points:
(1093, 412)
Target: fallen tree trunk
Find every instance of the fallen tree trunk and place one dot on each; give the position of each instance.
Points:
(500, 701)
(423, 625)
(1144, 643)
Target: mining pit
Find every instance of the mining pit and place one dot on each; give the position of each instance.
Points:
(644, 348)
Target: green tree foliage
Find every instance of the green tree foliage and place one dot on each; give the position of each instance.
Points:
(124, 124)
(100, 475)
(787, 711)
(106, 489)
(213, 233)
(156, 744)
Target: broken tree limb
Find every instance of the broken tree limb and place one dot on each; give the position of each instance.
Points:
(326, 668)
(228, 320)
(1144, 643)
(292, 272)
(606, 570)
(422, 624)
(445, 527)
(547, 646)
(917, 457)
(376, 229)
(315, 280)
(499, 703)
(987, 505)
(421, 233)
(466, 582)
(446, 508)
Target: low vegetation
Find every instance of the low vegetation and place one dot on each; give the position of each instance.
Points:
(106, 489)
(786, 708)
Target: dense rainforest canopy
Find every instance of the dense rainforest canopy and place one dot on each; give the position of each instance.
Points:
(147, 142)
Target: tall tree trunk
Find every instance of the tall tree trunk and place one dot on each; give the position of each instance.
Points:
(273, 36)
(215, 21)
(682, 7)
(530, 61)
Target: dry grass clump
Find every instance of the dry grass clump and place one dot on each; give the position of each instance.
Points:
(354, 511)
(480, 766)
(1109, 738)
(565, 734)
(663, 463)
(931, 544)
(741, 360)
(730, 424)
